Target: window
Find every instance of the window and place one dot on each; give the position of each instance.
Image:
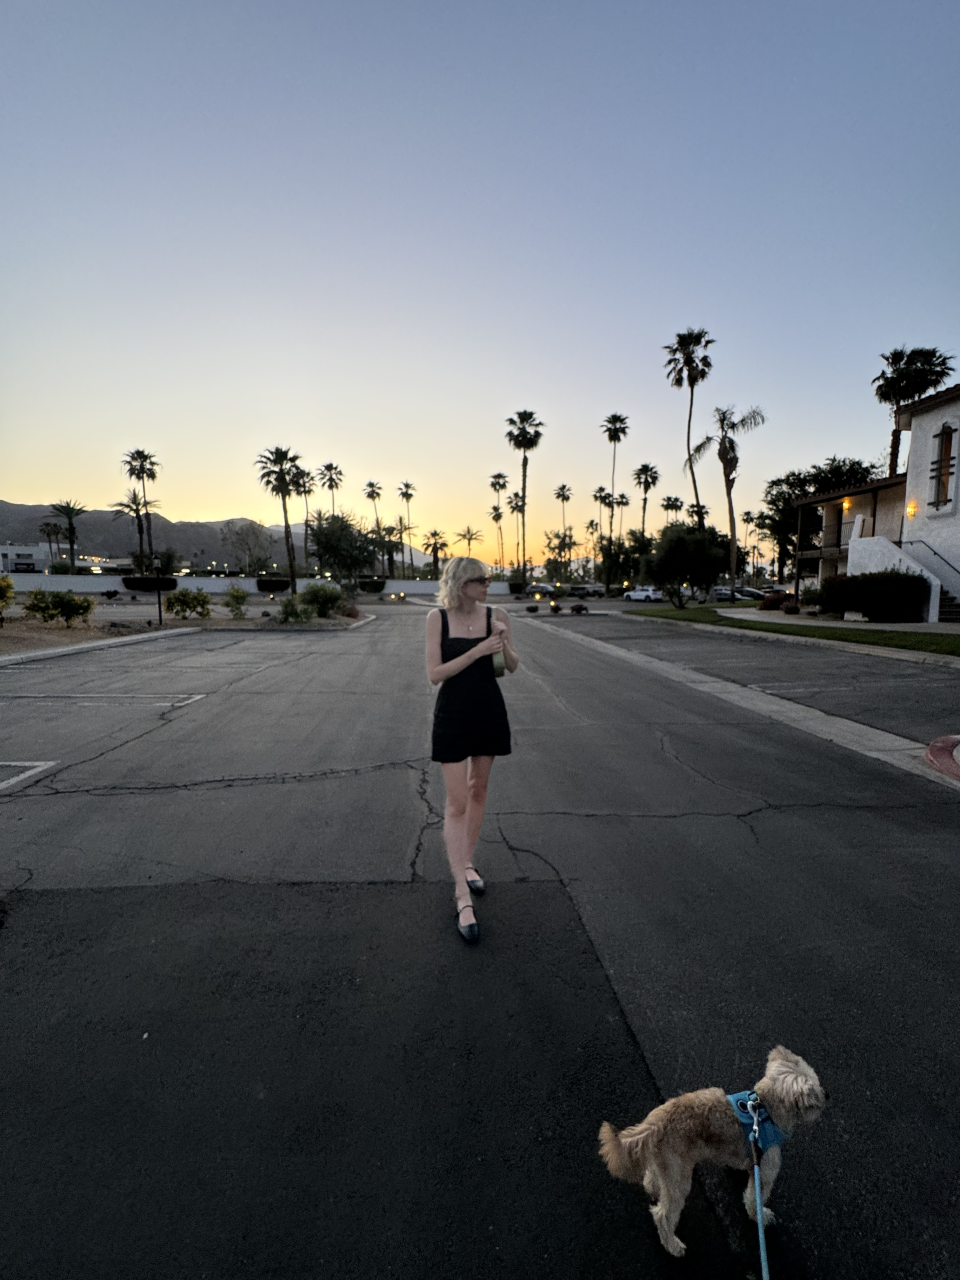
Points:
(942, 467)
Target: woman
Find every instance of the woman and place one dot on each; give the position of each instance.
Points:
(470, 724)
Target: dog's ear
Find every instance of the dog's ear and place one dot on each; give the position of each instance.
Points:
(810, 1094)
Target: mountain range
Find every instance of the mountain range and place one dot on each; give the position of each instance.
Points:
(101, 533)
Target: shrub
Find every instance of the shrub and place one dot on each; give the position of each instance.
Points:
(810, 596)
(6, 594)
(319, 600)
(290, 610)
(182, 602)
(891, 595)
(773, 601)
(235, 598)
(61, 566)
(50, 605)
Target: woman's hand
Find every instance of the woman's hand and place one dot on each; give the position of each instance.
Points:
(492, 643)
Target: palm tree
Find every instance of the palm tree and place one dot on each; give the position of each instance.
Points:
(331, 478)
(278, 467)
(645, 477)
(498, 483)
(303, 485)
(517, 507)
(404, 527)
(406, 492)
(724, 436)
(132, 506)
(373, 492)
(469, 536)
(524, 434)
(689, 362)
(389, 534)
(143, 466)
(563, 493)
(593, 529)
(621, 500)
(698, 512)
(614, 428)
(434, 544)
(671, 506)
(52, 533)
(496, 515)
(70, 511)
(908, 376)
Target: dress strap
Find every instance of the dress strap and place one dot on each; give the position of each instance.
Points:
(489, 621)
(444, 626)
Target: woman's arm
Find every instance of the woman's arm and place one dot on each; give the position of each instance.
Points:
(511, 659)
(437, 669)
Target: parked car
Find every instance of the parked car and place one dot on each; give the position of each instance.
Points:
(540, 590)
(584, 589)
(750, 593)
(650, 595)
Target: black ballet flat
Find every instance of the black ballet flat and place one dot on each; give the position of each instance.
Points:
(468, 932)
(475, 885)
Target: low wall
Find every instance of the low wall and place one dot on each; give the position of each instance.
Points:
(420, 587)
(95, 583)
(873, 555)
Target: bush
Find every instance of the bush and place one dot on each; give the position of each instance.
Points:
(290, 610)
(891, 595)
(182, 602)
(319, 600)
(773, 601)
(810, 597)
(235, 598)
(50, 605)
(6, 594)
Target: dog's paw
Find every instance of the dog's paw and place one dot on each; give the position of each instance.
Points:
(675, 1246)
(769, 1218)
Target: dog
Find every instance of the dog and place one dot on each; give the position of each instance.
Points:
(661, 1151)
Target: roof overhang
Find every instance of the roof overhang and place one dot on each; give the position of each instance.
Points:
(940, 399)
(821, 499)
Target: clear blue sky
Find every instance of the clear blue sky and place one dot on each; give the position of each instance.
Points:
(371, 230)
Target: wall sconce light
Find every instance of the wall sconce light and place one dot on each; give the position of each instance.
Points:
(911, 510)
(846, 504)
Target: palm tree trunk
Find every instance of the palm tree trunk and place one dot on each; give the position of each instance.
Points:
(72, 540)
(613, 487)
(291, 553)
(409, 535)
(523, 523)
(643, 516)
(693, 474)
(140, 538)
(146, 516)
(306, 529)
(733, 537)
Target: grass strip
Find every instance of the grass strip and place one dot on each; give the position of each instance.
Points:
(922, 642)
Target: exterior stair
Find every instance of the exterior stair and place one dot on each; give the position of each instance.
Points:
(949, 607)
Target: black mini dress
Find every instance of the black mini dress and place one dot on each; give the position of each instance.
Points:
(470, 718)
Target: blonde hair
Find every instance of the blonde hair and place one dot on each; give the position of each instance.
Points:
(455, 573)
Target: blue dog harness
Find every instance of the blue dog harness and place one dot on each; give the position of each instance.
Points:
(769, 1134)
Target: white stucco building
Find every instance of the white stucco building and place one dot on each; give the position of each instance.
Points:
(910, 521)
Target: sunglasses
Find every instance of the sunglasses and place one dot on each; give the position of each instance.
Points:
(480, 582)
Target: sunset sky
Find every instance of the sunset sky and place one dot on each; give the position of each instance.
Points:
(371, 230)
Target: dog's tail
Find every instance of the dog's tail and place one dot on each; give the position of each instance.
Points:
(626, 1154)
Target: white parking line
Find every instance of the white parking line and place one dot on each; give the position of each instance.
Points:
(904, 753)
(30, 769)
(172, 699)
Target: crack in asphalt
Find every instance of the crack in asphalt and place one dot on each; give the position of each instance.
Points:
(671, 753)
(215, 784)
(433, 819)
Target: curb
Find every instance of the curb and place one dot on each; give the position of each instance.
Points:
(940, 755)
(37, 655)
(846, 646)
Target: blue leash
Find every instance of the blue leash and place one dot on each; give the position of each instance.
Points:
(754, 1109)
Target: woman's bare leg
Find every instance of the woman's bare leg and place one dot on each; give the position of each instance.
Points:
(466, 784)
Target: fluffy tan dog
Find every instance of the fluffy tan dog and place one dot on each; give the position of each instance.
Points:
(661, 1151)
